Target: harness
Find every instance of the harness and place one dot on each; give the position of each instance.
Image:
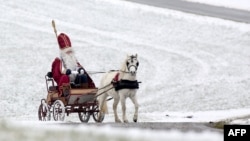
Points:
(126, 84)
(118, 85)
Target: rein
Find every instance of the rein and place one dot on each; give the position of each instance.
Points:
(104, 91)
(97, 72)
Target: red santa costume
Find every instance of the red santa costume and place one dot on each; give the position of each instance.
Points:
(58, 75)
(68, 62)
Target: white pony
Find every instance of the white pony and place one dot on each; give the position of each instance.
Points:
(120, 85)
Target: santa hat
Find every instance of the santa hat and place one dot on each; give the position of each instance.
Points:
(63, 41)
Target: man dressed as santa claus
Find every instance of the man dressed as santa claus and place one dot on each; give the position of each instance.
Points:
(66, 69)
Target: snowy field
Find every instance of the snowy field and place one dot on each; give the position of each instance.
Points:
(189, 65)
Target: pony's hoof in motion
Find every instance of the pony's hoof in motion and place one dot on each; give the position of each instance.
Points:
(99, 121)
(125, 121)
(118, 121)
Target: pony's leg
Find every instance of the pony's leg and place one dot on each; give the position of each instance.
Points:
(123, 103)
(116, 101)
(134, 100)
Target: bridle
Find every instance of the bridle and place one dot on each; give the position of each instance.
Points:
(130, 65)
(136, 66)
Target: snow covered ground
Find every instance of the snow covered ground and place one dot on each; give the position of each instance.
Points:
(189, 65)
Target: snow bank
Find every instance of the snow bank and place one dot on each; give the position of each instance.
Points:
(50, 131)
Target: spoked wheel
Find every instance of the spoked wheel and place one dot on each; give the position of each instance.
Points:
(44, 111)
(84, 116)
(58, 110)
(96, 114)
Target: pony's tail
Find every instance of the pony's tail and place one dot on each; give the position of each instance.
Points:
(104, 108)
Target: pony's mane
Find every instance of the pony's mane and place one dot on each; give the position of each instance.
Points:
(123, 68)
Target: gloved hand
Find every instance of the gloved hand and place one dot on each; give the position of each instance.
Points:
(49, 74)
(81, 71)
(68, 72)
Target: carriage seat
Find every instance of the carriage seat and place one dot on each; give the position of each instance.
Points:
(50, 82)
(72, 84)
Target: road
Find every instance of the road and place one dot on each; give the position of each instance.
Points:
(200, 9)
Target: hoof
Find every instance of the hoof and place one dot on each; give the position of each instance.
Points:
(125, 121)
(118, 121)
(135, 120)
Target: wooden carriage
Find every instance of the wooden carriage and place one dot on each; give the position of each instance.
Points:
(76, 99)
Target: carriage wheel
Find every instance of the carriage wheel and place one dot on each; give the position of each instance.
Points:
(84, 116)
(96, 114)
(44, 111)
(58, 110)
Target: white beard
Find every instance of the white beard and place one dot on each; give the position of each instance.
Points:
(69, 60)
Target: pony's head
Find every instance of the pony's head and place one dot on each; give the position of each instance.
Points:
(131, 64)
